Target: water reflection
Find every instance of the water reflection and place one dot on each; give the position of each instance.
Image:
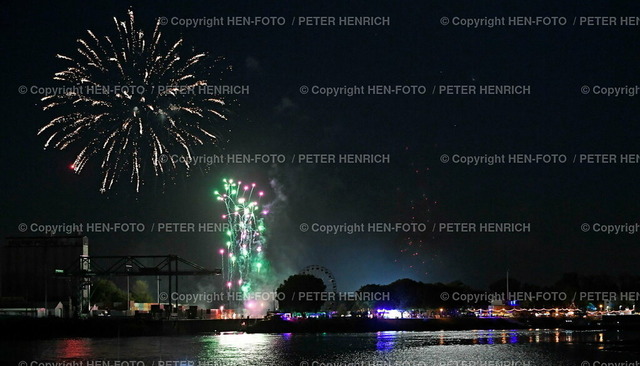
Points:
(74, 348)
(524, 336)
(230, 346)
(288, 348)
(385, 341)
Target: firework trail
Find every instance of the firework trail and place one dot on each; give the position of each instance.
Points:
(132, 101)
(245, 238)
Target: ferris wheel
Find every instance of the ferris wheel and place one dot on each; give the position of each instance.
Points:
(322, 273)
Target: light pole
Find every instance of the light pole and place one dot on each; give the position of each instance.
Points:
(128, 267)
(158, 289)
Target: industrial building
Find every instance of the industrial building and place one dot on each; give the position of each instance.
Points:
(28, 281)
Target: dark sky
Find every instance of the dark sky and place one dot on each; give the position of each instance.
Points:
(414, 130)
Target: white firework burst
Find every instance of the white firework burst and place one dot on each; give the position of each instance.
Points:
(132, 101)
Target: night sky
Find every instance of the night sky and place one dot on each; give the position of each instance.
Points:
(414, 130)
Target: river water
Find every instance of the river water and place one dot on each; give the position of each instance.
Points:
(444, 348)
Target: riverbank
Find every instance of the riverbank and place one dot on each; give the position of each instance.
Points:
(356, 325)
(32, 328)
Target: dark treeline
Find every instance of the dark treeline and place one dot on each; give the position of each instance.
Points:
(583, 291)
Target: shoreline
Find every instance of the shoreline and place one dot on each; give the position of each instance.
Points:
(32, 328)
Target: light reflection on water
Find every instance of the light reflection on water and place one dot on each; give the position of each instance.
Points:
(385, 341)
(535, 346)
